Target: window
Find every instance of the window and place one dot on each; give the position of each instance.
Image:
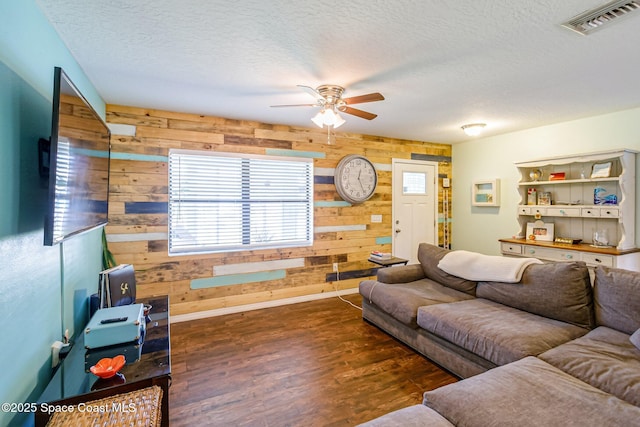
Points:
(414, 183)
(222, 202)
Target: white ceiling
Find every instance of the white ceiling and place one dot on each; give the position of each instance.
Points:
(439, 64)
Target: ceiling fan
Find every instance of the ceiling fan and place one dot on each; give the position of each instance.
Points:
(329, 99)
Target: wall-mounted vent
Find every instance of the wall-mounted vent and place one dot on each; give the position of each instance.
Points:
(595, 19)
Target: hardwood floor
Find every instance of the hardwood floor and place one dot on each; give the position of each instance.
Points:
(309, 364)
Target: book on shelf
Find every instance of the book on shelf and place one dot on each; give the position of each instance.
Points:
(380, 255)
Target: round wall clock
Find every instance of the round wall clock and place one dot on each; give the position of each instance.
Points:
(355, 178)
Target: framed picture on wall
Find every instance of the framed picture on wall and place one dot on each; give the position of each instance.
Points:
(485, 192)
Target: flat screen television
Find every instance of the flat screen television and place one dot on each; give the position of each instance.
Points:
(78, 175)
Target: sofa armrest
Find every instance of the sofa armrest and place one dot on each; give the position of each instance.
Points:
(401, 274)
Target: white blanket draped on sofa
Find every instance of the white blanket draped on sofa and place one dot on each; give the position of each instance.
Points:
(489, 268)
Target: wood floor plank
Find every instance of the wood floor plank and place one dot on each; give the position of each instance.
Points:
(309, 364)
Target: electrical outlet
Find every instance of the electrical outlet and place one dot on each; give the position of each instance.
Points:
(55, 353)
(335, 267)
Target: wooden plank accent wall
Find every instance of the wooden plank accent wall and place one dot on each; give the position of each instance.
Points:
(137, 229)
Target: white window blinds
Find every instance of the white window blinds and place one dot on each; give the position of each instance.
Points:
(227, 202)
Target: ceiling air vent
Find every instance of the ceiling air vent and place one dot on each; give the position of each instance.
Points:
(594, 19)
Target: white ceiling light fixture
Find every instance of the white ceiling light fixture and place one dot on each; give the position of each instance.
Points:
(328, 117)
(474, 129)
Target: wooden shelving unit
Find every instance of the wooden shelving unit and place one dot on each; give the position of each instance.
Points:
(576, 210)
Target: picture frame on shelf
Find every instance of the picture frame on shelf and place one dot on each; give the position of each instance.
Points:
(544, 198)
(601, 170)
(540, 231)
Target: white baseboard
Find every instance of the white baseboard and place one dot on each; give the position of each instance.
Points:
(259, 305)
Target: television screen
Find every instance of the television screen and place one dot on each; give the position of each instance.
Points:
(78, 165)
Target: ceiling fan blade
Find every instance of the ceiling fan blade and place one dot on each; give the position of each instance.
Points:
(311, 91)
(360, 99)
(294, 105)
(359, 113)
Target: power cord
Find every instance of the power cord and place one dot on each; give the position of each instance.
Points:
(335, 286)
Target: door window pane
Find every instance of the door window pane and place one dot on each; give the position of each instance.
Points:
(414, 183)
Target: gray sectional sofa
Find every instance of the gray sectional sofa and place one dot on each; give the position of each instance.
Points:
(548, 349)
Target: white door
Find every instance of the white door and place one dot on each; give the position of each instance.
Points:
(415, 206)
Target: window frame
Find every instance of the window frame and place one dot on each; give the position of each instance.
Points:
(294, 213)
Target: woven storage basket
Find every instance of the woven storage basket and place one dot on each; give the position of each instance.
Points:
(136, 408)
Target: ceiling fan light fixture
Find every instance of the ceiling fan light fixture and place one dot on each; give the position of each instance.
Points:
(473, 129)
(318, 119)
(329, 99)
(339, 121)
(328, 117)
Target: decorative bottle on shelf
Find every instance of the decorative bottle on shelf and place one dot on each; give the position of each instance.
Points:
(532, 196)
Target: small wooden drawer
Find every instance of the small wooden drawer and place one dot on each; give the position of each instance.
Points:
(541, 211)
(609, 212)
(550, 254)
(524, 210)
(590, 212)
(509, 248)
(563, 212)
(597, 259)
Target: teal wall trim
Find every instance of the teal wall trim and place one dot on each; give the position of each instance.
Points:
(383, 240)
(92, 153)
(237, 279)
(139, 157)
(295, 153)
(331, 204)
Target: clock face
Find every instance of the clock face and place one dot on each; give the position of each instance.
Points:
(355, 178)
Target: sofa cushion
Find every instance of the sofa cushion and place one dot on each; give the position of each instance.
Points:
(496, 332)
(603, 358)
(401, 300)
(529, 393)
(413, 416)
(558, 290)
(429, 256)
(635, 339)
(617, 299)
(400, 274)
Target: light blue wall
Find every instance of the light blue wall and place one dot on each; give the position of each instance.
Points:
(43, 290)
(479, 228)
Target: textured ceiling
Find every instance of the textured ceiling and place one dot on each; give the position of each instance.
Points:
(439, 64)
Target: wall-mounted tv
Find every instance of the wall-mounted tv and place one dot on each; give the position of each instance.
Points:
(78, 165)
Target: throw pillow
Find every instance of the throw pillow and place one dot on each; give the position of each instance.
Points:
(617, 299)
(429, 256)
(558, 290)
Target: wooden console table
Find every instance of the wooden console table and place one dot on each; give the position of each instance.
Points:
(72, 384)
(610, 257)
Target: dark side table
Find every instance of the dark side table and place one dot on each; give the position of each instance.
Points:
(389, 262)
(72, 383)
